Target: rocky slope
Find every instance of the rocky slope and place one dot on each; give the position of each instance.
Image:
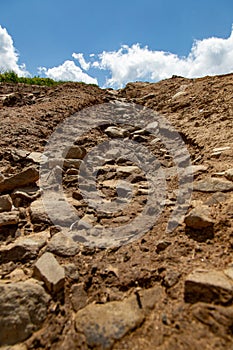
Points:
(165, 289)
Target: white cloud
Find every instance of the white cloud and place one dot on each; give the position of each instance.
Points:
(8, 55)
(68, 71)
(207, 57)
(79, 56)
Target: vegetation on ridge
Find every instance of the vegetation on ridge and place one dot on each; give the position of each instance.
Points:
(12, 77)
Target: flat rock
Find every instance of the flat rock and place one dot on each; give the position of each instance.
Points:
(209, 286)
(63, 245)
(72, 163)
(103, 324)
(48, 270)
(78, 296)
(114, 131)
(213, 185)
(23, 308)
(9, 218)
(24, 248)
(5, 203)
(37, 157)
(26, 177)
(199, 218)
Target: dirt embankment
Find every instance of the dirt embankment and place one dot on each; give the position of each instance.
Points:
(162, 290)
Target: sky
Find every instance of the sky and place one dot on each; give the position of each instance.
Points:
(111, 43)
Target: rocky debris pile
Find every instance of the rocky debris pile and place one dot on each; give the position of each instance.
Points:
(64, 287)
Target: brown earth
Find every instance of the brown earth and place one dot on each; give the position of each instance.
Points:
(185, 312)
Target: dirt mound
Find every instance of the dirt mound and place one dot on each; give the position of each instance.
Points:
(165, 280)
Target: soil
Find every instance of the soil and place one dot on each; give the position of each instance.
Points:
(201, 110)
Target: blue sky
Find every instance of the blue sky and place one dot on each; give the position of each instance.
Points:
(46, 33)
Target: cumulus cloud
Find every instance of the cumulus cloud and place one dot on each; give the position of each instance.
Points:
(68, 71)
(79, 56)
(207, 57)
(8, 55)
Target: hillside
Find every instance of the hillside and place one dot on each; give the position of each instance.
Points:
(119, 278)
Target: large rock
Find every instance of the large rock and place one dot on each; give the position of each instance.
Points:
(63, 245)
(48, 270)
(5, 203)
(23, 308)
(103, 324)
(209, 286)
(24, 248)
(199, 218)
(213, 185)
(9, 218)
(26, 177)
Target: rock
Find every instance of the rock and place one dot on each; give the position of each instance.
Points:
(162, 245)
(26, 177)
(114, 131)
(103, 324)
(216, 198)
(37, 157)
(24, 248)
(171, 278)
(218, 318)
(75, 152)
(213, 185)
(78, 296)
(5, 203)
(71, 272)
(221, 149)
(209, 286)
(17, 275)
(127, 169)
(23, 308)
(199, 218)
(37, 212)
(9, 218)
(63, 245)
(48, 270)
(229, 174)
(72, 163)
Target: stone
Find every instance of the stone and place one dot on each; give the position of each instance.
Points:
(114, 131)
(216, 198)
(5, 203)
(37, 212)
(208, 286)
(9, 218)
(26, 177)
(78, 296)
(48, 270)
(71, 272)
(229, 174)
(17, 275)
(23, 248)
(199, 218)
(221, 149)
(213, 185)
(23, 309)
(75, 152)
(37, 157)
(103, 324)
(63, 245)
(72, 163)
(127, 169)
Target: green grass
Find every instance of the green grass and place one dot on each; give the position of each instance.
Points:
(12, 77)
